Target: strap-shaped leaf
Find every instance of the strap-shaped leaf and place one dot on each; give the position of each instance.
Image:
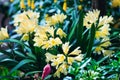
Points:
(72, 32)
(32, 72)
(80, 28)
(59, 7)
(31, 55)
(85, 63)
(12, 40)
(21, 63)
(91, 40)
(19, 54)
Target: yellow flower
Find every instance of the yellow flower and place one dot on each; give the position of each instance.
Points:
(79, 57)
(104, 44)
(64, 60)
(55, 1)
(103, 31)
(26, 22)
(75, 52)
(25, 37)
(22, 4)
(62, 69)
(3, 34)
(60, 59)
(90, 18)
(108, 52)
(38, 41)
(66, 48)
(55, 41)
(57, 18)
(70, 60)
(105, 20)
(51, 30)
(61, 33)
(32, 4)
(98, 49)
(81, 0)
(80, 7)
(115, 3)
(50, 57)
(29, 3)
(11, 0)
(46, 45)
(26, 27)
(65, 5)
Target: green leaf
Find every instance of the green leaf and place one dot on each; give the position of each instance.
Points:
(31, 56)
(80, 28)
(84, 64)
(91, 40)
(14, 41)
(103, 59)
(6, 53)
(72, 32)
(48, 77)
(7, 60)
(32, 72)
(19, 54)
(59, 7)
(21, 63)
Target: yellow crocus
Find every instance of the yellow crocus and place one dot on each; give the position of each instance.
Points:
(25, 37)
(11, 0)
(115, 3)
(61, 33)
(3, 34)
(65, 5)
(32, 4)
(81, 0)
(29, 3)
(55, 1)
(64, 60)
(22, 4)
(80, 7)
(66, 48)
(108, 52)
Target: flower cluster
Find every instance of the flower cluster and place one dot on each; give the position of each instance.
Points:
(63, 60)
(115, 3)
(102, 25)
(3, 34)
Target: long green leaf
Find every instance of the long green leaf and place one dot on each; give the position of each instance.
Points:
(31, 56)
(32, 72)
(80, 28)
(19, 54)
(91, 40)
(85, 63)
(72, 32)
(12, 40)
(21, 63)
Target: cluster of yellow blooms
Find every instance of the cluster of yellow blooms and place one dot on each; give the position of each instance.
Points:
(26, 22)
(64, 60)
(29, 2)
(3, 34)
(102, 28)
(115, 3)
(57, 18)
(44, 35)
(49, 36)
(104, 44)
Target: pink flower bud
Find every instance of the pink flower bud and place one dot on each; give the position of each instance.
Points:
(46, 71)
